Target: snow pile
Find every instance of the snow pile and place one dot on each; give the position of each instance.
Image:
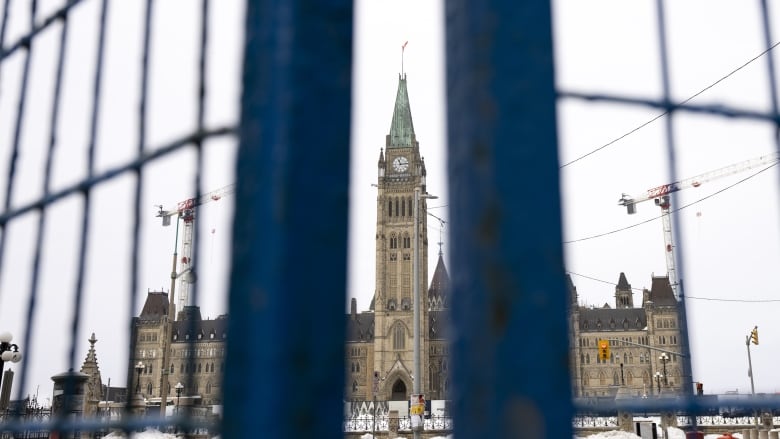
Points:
(370, 436)
(674, 433)
(149, 433)
(614, 434)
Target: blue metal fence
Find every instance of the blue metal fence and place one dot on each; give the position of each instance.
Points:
(285, 358)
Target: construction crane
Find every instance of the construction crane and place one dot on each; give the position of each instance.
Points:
(185, 211)
(660, 195)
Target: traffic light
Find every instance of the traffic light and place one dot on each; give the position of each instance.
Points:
(604, 350)
(754, 335)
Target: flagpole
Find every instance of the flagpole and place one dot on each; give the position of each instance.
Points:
(403, 47)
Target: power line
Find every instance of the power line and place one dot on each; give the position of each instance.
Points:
(611, 142)
(712, 299)
(600, 280)
(673, 210)
(734, 300)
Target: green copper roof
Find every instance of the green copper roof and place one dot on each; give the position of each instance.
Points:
(401, 129)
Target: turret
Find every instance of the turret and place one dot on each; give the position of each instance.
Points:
(624, 297)
(381, 163)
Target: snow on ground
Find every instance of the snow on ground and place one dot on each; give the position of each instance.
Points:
(149, 433)
(370, 436)
(674, 433)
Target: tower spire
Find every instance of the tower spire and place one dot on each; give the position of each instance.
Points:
(401, 128)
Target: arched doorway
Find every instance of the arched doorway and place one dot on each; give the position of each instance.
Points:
(399, 391)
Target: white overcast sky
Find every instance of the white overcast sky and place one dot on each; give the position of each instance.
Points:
(729, 242)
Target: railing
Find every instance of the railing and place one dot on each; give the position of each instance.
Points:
(611, 422)
(594, 421)
(367, 424)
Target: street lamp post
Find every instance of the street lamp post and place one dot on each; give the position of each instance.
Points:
(179, 387)
(664, 359)
(658, 381)
(138, 369)
(416, 279)
(8, 352)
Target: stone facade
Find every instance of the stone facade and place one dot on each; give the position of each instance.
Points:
(630, 369)
(196, 356)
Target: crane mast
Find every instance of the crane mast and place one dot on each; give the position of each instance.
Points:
(660, 195)
(185, 211)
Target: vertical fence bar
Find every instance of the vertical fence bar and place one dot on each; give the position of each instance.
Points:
(510, 348)
(671, 162)
(285, 357)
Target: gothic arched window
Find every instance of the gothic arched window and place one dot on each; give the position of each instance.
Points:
(399, 337)
(390, 208)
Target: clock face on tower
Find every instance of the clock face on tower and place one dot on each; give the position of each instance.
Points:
(400, 164)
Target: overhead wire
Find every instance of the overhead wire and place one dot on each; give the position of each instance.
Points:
(673, 210)
(712, 299)
(667, 112)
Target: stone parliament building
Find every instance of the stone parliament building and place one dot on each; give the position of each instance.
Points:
(381, 339)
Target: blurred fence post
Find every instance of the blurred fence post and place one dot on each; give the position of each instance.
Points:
(510, 348)
(288, 283)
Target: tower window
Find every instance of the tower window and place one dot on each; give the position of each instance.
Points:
(407, 241)
(399, 337)
(393, 257)
(396, 207)
(409, 202)
(403, 208)
(393, 241)
(390, 208)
